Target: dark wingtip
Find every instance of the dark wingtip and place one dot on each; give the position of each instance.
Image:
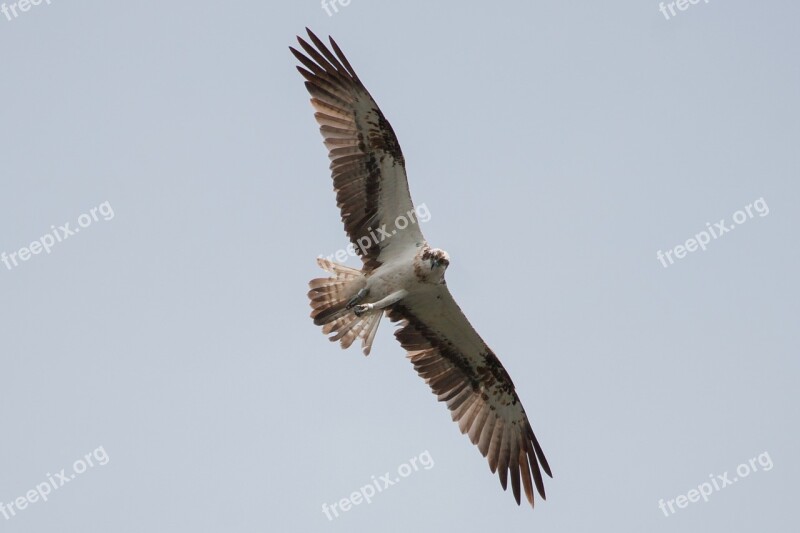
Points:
(311, 34)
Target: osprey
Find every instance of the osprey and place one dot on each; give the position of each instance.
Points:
(403, 277)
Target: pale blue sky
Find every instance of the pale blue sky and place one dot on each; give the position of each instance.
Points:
(558, 146)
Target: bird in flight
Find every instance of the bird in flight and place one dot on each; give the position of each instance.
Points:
(403, 277)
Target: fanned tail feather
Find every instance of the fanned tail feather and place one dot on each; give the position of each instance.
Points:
(329, 298)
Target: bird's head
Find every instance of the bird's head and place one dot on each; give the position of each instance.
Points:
(439, 259)
(435, 261)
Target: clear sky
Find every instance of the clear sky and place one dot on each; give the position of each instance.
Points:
(163, 354)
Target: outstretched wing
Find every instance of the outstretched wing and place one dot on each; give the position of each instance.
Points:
(367, 165)
(463, 372)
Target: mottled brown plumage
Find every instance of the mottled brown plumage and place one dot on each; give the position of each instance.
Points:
(404, 277)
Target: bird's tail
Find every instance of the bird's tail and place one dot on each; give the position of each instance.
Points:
(329, 298)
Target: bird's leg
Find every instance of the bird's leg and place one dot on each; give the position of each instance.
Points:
(360, 295)
(381, 304)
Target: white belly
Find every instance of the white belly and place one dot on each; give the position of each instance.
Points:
(388, 279)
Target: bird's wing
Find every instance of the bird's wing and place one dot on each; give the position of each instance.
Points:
(367, 165)
(463, 372)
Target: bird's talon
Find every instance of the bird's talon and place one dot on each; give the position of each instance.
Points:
(357, 298)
